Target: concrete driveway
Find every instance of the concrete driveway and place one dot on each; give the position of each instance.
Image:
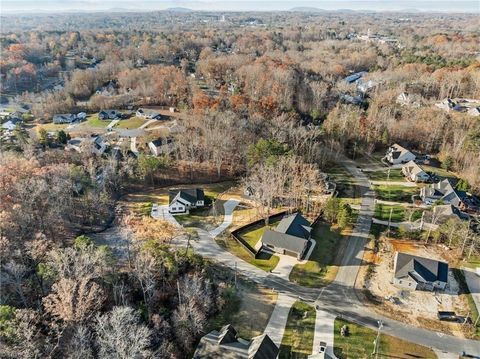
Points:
(278, 320)
(473, 282)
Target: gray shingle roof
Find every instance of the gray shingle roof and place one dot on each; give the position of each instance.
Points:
(430, 270)
(192, 195)
(295, 225)
(224, 344)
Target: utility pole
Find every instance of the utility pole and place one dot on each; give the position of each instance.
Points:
(377, 340)
(235, 275)
(390, 220)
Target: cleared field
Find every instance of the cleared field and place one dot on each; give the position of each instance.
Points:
(248, 309)
(359, 344)
(51, 127)
(297, 340)
(94, 121)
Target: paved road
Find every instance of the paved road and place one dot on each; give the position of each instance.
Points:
(339, 298)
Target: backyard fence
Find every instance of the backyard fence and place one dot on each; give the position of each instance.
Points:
(235, 234)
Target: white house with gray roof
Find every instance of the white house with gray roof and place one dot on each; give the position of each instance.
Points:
(397, 154)
(413, 172)
(184, 199)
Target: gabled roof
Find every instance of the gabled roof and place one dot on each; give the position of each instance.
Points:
(225, 344)
(414, 169)
(420, 269)
(191, 195)
(294, 225)
(448, 210)
(398, 150)
(285, 241)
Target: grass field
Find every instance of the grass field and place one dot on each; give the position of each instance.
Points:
(134, 122)
(395, 193)
(395, 175)
(265, 261)
(439, 172)
(359, 344)
(345, 182)
(94, 121)
(321, 269)
(382, 212)
(253, 234)
(51, 127)
(297, 340)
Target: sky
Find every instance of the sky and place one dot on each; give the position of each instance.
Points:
(7, 6)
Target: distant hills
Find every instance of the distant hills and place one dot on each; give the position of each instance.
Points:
(179, 9)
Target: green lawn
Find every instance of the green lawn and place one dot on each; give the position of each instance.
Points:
(94, 121)
(472, 262)
(395, 175)
(265, 261)
(359, 344)
(439, 172)
(51, 127)
(345, 182)
(321, 269)
(382, 212)
(131, 123)
(252, 234)
(297, 340)
(395, 193)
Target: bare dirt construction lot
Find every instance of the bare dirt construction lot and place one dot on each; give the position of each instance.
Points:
(417, 307)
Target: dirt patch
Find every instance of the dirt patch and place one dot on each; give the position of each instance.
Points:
(415, 307)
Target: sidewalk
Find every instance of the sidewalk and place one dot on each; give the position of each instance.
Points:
(278, 320)
(394, 183)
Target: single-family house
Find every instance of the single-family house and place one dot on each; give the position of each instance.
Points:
(110, 115)
(11, 124)
(225, 344)
(442, 191)
(93, 144)
(397, 154)
(444, 212)
(291, 236)
(413, 172)
(184, 199)
(465, 105)
(161, 146)
(81, 116)
(148, 114)
(419, 273)
(64, 118)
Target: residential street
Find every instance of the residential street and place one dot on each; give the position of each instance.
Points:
(339, 298)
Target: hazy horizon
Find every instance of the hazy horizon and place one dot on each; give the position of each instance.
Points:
(46, 6)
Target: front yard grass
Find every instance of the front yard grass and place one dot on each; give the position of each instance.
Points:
(382, 212)
(247, 308)
(94, 121)
(321, 268)
(344, 180)
(359, 344)
(51, 127)
(395, 193)
(395, 175)
(297, 340)
(265, 261)
(131, 123)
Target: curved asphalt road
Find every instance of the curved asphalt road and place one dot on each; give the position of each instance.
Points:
(339, 298)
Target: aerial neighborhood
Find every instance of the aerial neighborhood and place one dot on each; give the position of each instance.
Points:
(236, 181)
